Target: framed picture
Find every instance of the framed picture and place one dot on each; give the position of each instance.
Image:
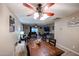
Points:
(11, 24)
(73, 23)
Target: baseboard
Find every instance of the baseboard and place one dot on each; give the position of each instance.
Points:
(68, 49)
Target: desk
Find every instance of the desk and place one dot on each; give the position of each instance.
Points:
(44, 49)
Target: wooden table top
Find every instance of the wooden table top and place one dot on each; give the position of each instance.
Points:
(44, 49)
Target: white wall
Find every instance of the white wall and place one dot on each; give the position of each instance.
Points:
(67, 36)
(7, 39)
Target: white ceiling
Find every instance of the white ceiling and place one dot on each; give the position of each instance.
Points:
(60, 9)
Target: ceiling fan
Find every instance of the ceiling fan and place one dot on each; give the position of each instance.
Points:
(39, 9)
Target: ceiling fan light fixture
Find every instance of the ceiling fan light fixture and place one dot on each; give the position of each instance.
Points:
(36, 15)
(44, 17)
(46, 8)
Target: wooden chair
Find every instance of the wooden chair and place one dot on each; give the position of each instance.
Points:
(52, 41)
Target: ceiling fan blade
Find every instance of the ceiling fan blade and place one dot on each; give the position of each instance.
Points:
(50, 4)
(50, 14)
(47, 6)
(29, 15)
(28, 6)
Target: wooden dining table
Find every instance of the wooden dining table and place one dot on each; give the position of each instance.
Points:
(43, 49)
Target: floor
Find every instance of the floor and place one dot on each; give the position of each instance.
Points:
(67, 53)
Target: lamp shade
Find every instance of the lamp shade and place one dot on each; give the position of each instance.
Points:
(22, 32)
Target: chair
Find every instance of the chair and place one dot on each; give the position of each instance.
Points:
(52, 41)
(20, 49)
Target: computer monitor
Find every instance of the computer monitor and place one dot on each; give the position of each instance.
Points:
(33, 29)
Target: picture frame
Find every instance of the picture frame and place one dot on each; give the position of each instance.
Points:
(73, 23)
(11, 24)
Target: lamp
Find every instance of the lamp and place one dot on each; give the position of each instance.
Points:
(22, 32)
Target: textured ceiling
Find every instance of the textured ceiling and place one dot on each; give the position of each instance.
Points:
(61, 10)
